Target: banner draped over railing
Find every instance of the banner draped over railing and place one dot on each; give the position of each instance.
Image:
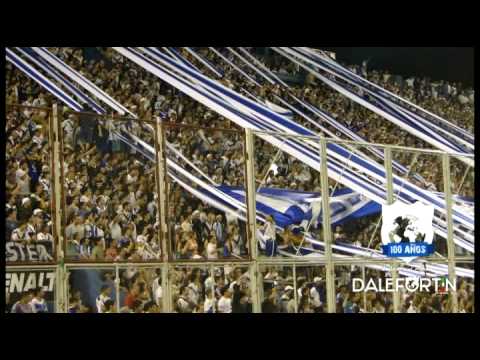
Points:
(81, 80)
(41, 80)
(241, 104)
(384, 93)
(380, 106)
(235, 207)
(51, 71)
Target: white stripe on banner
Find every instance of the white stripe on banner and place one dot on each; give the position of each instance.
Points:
(187, 174)
(53, 73)
(398, 181)
(402, 100)
(234, 66)
(396, 107)
(373, 108)
(41, 80)
(81, 80)
(261, 65)
(229, 115)
(181, 156)
(395, 164)
(205, 63)
(430, 124)
(182, 59)
(279, 110)
(337, 125)
(250, 65)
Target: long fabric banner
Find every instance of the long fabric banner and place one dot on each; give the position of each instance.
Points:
(263, 67)
(338, 247)
(337, 125)
(381, 109)
(178, 83)
(224, 58)
(292, 207)
(81, 80)
(402, 112)
(381, 93)
(51, 71)
(385, 94)
(325, 117)
(284, 124)
(41, 80)
(204, 62)
(248, 64)
(334, 123)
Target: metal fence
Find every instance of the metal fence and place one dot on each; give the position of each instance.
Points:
(254, 266)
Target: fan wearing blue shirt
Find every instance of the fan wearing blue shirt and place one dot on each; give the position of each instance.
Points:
(38, 303)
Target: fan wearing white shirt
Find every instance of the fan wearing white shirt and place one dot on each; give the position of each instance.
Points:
(157, 295)
(269, 228)
(210, 302)
(225, 302)
(183, 304)
(314, 294)
(102, 298)
(38, 302)
(157, 283)
(212, 253)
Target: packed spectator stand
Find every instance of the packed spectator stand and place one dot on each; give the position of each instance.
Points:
(112, 213)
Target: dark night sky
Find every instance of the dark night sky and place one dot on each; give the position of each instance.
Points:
(439, 63)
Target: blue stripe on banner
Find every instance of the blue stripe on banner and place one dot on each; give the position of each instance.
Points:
(294, 214)
(81, 80)
(378, 91)
(333, 122)
(201, 58)
(350, 94)
(260, 109)
(158, 68)
(417, 126)
(182, 59)
(50, 70)
(293, 143)
(333, 147)
(35, 75)
(233, 65)
(352, 135)
(274, 78)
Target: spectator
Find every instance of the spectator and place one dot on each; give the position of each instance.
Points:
(23, 305)
(98, 251)
(269, 305)
(38, 301)
(225, 302)
(102, 298)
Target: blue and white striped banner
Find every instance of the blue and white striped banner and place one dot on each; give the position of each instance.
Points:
(300, 153)
(348, 249)
(426, 135)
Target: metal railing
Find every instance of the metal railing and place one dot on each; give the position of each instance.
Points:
(63, 265)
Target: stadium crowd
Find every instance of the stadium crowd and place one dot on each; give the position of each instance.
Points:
(112, 212)
(227, 290)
